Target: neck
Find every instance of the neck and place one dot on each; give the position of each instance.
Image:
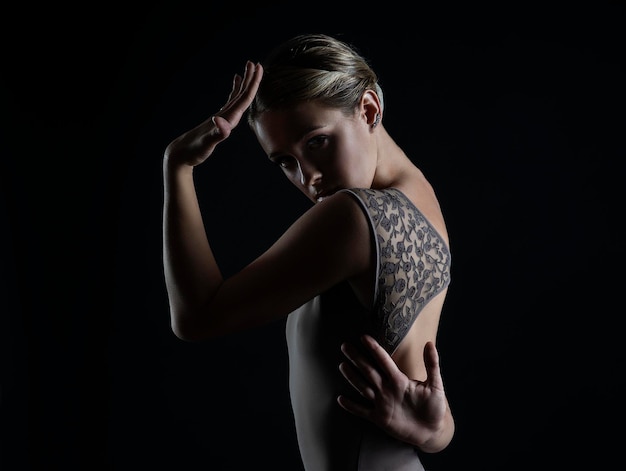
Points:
(393, 166)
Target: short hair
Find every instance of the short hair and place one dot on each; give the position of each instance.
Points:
(314, 67)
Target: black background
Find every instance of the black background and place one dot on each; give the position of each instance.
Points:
(515, 113)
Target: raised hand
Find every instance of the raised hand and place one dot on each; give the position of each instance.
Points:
(413, 411)
(196, 145)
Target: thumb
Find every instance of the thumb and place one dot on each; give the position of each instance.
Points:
(221, 127)
(431, 360)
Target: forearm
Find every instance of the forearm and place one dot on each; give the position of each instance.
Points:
(191, 272)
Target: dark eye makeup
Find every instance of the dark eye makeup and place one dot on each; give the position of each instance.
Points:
(317, 141)
(286, 161)
(282, 161)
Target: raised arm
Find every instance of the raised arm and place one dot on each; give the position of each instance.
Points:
(309, 258)
(191, 273)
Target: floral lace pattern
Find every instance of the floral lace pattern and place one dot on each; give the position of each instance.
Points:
(413, 262)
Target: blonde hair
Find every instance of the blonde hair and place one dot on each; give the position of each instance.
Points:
(314, 67)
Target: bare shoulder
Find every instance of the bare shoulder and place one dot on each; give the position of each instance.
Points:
(332, 239)
(328, 244)
(337, 216)
(422, 194)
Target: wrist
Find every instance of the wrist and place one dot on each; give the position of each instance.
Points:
(173, 167)
(440, 437)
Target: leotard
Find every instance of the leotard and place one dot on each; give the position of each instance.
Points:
(413, 266)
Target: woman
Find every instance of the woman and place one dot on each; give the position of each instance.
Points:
(361, 276)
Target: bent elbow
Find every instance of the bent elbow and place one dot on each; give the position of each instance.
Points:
(190, 329)
(181, 333)
(184, 329)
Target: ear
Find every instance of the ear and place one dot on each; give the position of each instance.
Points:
(370, 107)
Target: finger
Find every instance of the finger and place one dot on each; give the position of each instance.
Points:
(251, 81)
(244, 90)
(356, 381)
(222, 129)
(387, 366)
(354, 407)
(241, 84)
(363, 365)
(248, 76)
(234, 90)
(431, 361)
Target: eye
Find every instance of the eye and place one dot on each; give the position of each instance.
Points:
(317, 142)
(283, 162)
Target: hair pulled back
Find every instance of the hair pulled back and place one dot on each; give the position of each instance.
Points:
(313, 67)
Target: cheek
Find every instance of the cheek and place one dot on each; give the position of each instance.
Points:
(293, 177)
(353, 157)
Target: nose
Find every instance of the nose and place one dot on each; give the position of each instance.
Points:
(309, 174)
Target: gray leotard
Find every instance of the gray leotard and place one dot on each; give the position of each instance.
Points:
(413, 266)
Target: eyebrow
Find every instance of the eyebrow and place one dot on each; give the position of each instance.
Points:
(303, 134)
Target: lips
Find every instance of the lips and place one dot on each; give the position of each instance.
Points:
(322, 194)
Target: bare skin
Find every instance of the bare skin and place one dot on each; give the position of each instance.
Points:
(320, 150)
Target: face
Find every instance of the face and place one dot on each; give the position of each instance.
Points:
(319, 149)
